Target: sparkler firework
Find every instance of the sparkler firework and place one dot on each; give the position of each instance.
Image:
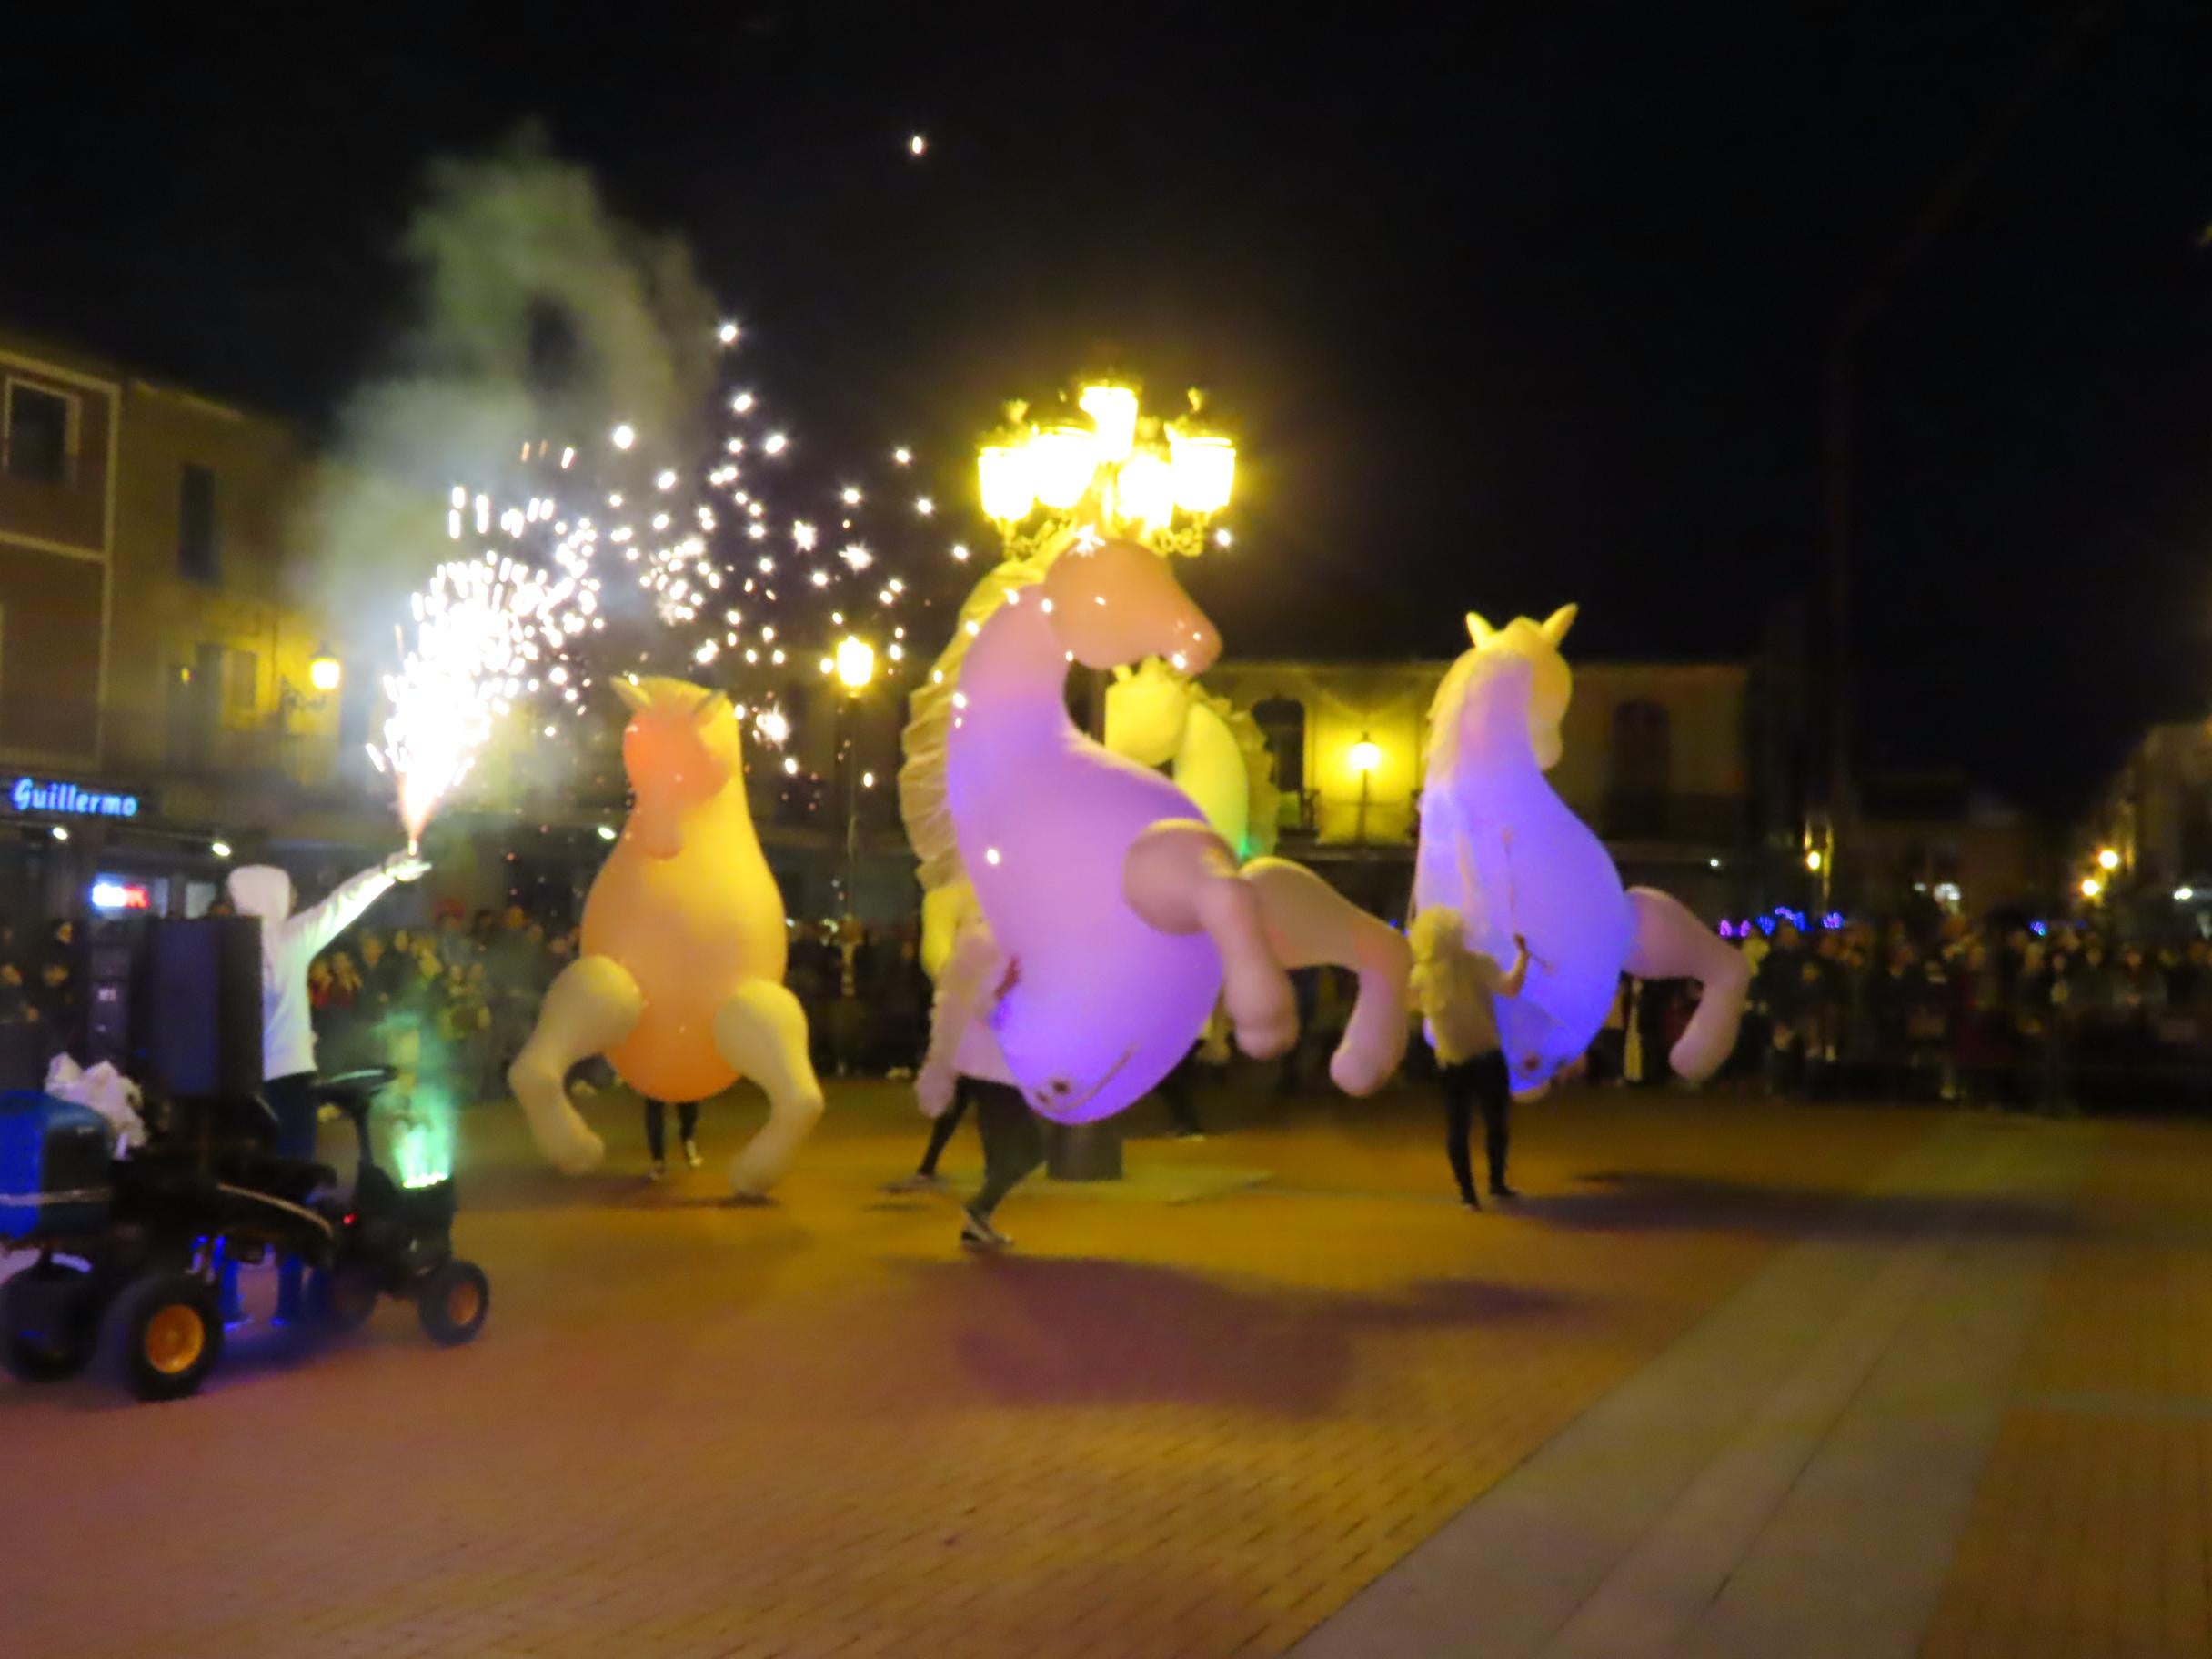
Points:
(717, 577)
(483, 627)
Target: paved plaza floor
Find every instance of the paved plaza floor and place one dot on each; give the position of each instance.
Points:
(1735, 1378)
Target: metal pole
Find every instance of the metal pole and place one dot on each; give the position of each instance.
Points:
(853, 808)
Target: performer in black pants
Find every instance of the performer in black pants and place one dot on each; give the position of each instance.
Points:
(1481, 1082)
(1013, 1146)
(1455, 987)
(655, 1134)
(964, 1065)
(925, 1179)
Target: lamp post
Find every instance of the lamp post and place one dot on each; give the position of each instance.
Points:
(325, 674)
(1365, 757)
(1114, 474)
(856, 668)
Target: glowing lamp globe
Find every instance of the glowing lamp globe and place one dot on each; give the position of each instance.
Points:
(2107, 860)
(1812, 860)
(324, 672)
(1004, 471)
(855, 662)
(1205, 468)
(1366, 755)
(1114, 417)
(1063, 460)
(1147, 487)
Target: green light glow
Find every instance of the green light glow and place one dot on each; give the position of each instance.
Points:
(422, 1139)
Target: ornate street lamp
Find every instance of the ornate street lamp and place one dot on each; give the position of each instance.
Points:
(1120, 472)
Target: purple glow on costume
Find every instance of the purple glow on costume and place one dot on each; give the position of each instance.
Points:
(1501, 847)
(1097, 1006)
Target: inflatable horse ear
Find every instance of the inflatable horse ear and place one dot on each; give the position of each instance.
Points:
(631, 693)
(1479, 632)
(1555, 625)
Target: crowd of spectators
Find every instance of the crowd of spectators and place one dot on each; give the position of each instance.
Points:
(2005, 1015)
(2051, 1016)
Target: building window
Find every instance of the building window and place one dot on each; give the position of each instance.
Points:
(2196, 803)
(198, 553)
(1281, 722)
(241, 680)
(1643, 768)
(39, 426)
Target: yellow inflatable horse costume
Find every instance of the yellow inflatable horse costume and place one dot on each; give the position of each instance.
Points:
(679, 982)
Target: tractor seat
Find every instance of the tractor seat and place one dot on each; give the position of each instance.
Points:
(351, 1091)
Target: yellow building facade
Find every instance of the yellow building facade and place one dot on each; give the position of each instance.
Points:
(149, 654)
(1658, 759)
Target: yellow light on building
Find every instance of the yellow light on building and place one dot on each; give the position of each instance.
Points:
(1063, 461)
(1366, 755)
(1205, 469)
(2091, 887)
(1004, 472)
(2108, 859)
(1147, 487)
(325, 673)
(1113, 415)
(1811, 859)
(855, 662)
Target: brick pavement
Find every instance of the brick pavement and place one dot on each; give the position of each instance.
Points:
(816, 1428)
(2091, 1534)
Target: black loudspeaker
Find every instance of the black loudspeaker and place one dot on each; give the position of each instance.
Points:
(198, 1013)
(110, 967)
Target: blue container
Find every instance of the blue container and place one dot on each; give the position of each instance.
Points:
(54, 1167)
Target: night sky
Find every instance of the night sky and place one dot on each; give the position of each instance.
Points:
(1523, 305)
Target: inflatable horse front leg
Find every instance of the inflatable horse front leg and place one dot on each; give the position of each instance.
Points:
(1668, 942)
(1264, 920)
(590, 1007)
(760, 1031)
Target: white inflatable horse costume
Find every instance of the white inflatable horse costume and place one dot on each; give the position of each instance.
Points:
(1119, 913)
(1501, 854)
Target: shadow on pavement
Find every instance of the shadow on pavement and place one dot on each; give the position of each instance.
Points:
(1074, 1331)
(1636, 1201)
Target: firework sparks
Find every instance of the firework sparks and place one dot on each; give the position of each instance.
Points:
(482, 629)
(525, 622)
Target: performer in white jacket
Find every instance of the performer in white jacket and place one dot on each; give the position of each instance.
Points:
(964, 1058)
(289, 944)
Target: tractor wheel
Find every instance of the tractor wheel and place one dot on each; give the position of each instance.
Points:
(351, 1299)
(452, 1302)
(49, 1323)
(163, 1335)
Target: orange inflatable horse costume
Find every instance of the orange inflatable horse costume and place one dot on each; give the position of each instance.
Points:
(679, 982)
